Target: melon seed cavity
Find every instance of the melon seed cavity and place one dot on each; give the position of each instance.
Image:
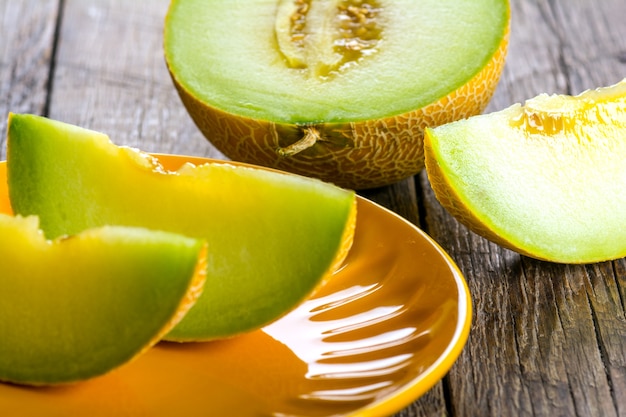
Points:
(327, 36)
(551, 115)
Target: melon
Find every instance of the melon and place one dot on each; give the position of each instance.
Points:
(272, 237)
(545, 178)
(77, 307)
(339, 90)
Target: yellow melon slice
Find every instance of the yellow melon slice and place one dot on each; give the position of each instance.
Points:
(75, 308)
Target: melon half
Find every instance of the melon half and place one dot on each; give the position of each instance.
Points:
(338, 90)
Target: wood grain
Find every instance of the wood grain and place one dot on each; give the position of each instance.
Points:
(27, 36)
(110, 76)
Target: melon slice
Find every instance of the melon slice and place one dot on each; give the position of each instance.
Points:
(335, 89)
(272, 237)
(546, 179)
(75, 308)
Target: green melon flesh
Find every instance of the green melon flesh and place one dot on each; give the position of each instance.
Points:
(546, 179)
(75, 308)
(272, 237)
(231, 55)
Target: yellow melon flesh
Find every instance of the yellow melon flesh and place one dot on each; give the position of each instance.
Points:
(546, 179)
(78, 307)
(339, 90)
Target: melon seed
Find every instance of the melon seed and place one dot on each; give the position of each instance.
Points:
(324, 37)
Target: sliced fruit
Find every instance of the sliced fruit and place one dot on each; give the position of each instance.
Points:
(545, 179)
(272, 236)
(339, 90)
(75, 308)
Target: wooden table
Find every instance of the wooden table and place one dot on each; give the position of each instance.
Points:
(546, 340)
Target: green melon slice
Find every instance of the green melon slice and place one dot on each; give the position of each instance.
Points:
(272, 237)
(78, 307)
(546, 178)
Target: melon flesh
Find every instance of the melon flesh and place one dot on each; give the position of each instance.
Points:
(546, 179)
(272, 237)
(78, 307)
(232, 55)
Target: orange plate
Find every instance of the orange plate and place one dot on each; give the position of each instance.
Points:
(382, 332)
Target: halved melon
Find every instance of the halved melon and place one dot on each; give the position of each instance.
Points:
(546, 179)
(273, 237)
(78, 307)
(339, 90)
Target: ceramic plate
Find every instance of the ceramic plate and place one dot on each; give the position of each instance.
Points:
(387, 326)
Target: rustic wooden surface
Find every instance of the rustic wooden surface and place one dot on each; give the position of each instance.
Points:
(546, 340)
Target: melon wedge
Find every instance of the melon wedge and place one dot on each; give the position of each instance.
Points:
(545, 179)
(338, 90)
(272, 237)
(75, 308)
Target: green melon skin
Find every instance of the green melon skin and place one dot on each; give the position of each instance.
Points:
(272, 237)
(78, 307)
(545, 179)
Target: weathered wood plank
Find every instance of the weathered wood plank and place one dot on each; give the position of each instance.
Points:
(591, 39)
(111, 76)
(27, 31)
(547, 339)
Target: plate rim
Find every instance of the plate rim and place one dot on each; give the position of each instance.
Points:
(426, 380)
(412, 390)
